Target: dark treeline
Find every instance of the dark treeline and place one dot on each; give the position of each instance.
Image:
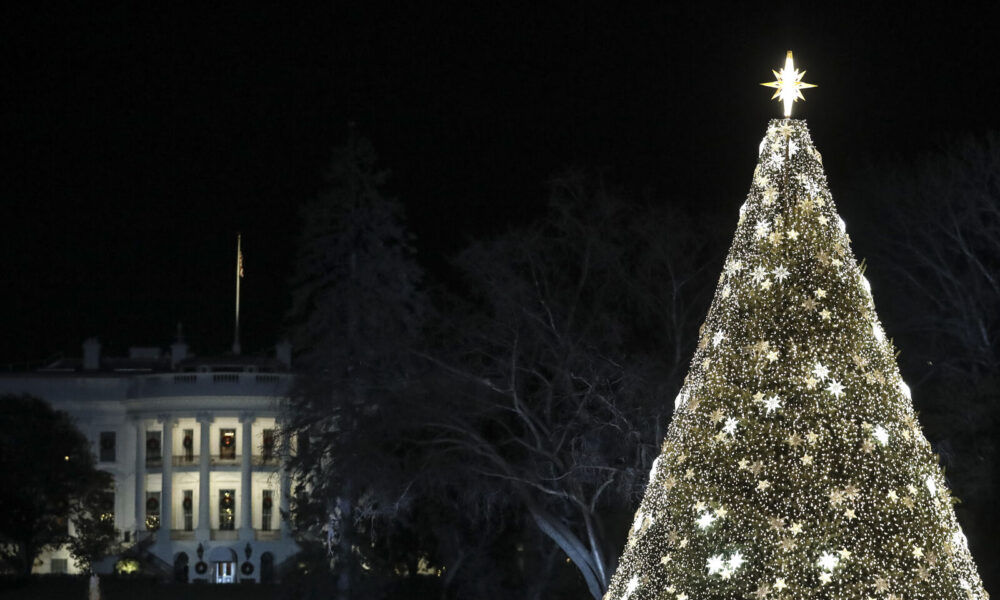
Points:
(489, 434)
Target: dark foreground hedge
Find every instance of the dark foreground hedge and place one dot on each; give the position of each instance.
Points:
(72, 587)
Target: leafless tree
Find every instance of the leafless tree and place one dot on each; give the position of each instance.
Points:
(566, 355)
(941, 250)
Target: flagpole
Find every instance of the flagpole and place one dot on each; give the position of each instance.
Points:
(239, 259)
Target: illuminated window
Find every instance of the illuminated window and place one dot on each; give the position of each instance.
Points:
(227, 443)
(227, 513)
(152, 511)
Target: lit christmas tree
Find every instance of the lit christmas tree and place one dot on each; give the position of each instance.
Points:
(794, 467)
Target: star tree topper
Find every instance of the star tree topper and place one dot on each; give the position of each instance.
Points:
(789, 84)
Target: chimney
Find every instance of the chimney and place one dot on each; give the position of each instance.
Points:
(179, 349)
(283, 352)
(91, 354)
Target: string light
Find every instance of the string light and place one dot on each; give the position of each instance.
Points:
(794, 416)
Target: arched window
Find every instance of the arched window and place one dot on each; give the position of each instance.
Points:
(267, 568)
(181, 567)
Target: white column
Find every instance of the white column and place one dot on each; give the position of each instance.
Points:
(204, 458)
(167, 484)
(246, 475)
(140, 475)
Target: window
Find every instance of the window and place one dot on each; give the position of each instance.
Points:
(187, 443)
(153, 446)
(267, 568)
(106, 504)
(59, 566)
(227, 514)
(152, 511)
(224, 572)
(267, 506)
(187, 504)
(107, 449)
(267, 448)
(227, 443)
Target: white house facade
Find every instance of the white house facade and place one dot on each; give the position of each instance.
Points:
(194, 449)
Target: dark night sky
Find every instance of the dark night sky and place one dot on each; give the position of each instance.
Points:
(136, 143)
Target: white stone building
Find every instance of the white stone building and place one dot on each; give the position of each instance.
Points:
(192, 445)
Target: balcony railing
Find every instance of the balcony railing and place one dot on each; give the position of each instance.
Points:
(218, 459)
(185, 460)
(224, 534)
(266, 460)
(194, 460)
(215, 384)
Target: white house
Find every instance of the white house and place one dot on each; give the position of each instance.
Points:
(192, 445)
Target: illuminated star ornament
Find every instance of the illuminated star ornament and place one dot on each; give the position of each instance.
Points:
(788, 84)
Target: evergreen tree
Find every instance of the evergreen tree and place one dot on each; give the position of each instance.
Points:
(356, 310)
(794, 466)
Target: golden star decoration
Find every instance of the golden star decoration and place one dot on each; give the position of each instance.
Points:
(788, 84)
